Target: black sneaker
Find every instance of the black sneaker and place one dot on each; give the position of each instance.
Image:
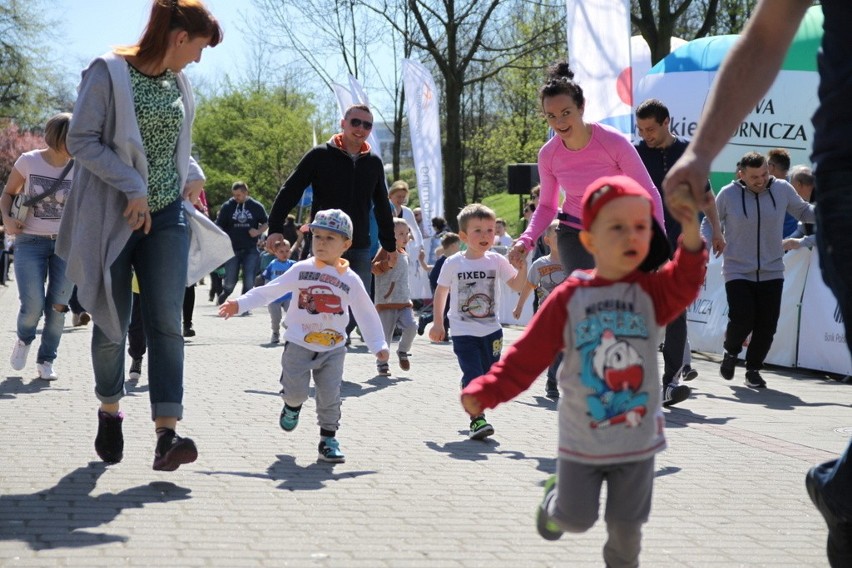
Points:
(754, 380)
(729, 363)
(550, 389)
(480, 428)
(173, 451)
(422, 322)
(136, 369)
(688, 373)
(109, 443)
(188, 331)
(673, 394)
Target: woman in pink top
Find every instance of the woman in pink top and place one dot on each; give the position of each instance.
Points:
(578, 154)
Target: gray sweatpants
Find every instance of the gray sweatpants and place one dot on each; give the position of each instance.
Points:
(276, 311)
(404, 317)
(297, 366)
(628, 504)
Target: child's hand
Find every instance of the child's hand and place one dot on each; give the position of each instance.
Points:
(383, 355)
(422, 255)
(229, 308)
(471, 405)
(436, 332)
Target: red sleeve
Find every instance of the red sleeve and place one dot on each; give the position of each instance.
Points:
(524, 361)
(676, 284)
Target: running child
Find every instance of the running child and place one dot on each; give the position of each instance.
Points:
(316, 326)
(472, 276)
(545, 274)
(279, 265)
(607, 323)
(393, 297)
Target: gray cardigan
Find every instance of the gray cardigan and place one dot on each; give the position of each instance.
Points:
(111, 168)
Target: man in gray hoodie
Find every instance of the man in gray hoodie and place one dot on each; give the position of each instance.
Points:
(751, 211)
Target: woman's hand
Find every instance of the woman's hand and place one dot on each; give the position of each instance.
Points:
(138, 214)
(192, 191)
(12, 226)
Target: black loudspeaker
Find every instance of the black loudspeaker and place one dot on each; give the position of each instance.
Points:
(522, 178)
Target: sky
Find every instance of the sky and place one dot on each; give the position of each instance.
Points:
(90, 27)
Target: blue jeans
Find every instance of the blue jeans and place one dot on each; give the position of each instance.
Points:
(359, 262)
(249, 260)
(477, 354)
(160, 262)
(834, 241)
(35, 264)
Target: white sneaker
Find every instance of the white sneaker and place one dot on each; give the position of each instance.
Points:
(19, 355)
(46, 372)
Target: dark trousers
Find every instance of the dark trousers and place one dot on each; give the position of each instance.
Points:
(477, 354)
(74, 304)
(673, 348)
(753, 307)
(136, 344)
(188, 305)
(834, 242)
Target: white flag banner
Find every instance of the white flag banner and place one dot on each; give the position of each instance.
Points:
(360, 97)
(421, 102)
(599, 54)
(344, 97)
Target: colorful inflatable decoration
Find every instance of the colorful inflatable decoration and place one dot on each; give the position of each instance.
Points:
(781, 119)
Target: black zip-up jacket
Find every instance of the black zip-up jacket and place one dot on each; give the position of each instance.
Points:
(340, 181)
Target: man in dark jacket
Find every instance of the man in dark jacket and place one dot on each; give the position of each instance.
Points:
(345, 175)
(244, 219)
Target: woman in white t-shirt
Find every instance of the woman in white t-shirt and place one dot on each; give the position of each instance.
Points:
(36, 261)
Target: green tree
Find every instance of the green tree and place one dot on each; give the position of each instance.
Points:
(257, 137)
(31, 87)
(658, 20)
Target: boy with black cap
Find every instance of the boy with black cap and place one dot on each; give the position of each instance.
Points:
(323, 288)
(606, 321)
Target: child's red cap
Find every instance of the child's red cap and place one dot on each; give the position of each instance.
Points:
(605, 189)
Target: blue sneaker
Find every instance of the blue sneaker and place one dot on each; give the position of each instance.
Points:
(289, 418)
(329, 451)
(547, 528)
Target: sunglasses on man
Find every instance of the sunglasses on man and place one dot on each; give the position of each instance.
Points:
(356, 122)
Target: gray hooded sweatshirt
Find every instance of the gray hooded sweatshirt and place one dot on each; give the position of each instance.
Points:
(753, 224)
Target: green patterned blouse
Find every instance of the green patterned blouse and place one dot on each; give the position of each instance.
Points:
(160, 115)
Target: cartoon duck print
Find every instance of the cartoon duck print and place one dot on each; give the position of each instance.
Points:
(616, 376)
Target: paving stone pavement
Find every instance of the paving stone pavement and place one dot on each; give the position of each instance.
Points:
(413, 491)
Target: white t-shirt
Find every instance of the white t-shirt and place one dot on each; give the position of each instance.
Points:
(319, 310)
(39, 176)
(474, 292)
(504, 240)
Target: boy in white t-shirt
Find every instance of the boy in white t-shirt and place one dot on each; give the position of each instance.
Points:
(324, 288)
(474, 314)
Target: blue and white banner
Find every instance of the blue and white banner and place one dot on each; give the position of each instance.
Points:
(421, 101)
(599, 54)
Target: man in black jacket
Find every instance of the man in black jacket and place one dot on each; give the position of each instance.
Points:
(344, 175)
(244, 219)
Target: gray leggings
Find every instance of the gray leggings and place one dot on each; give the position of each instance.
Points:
(572, 253)
(628, 504)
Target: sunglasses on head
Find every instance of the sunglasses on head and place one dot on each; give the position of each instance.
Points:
(356, 122)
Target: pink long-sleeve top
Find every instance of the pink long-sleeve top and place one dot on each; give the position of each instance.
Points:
(608, 153)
